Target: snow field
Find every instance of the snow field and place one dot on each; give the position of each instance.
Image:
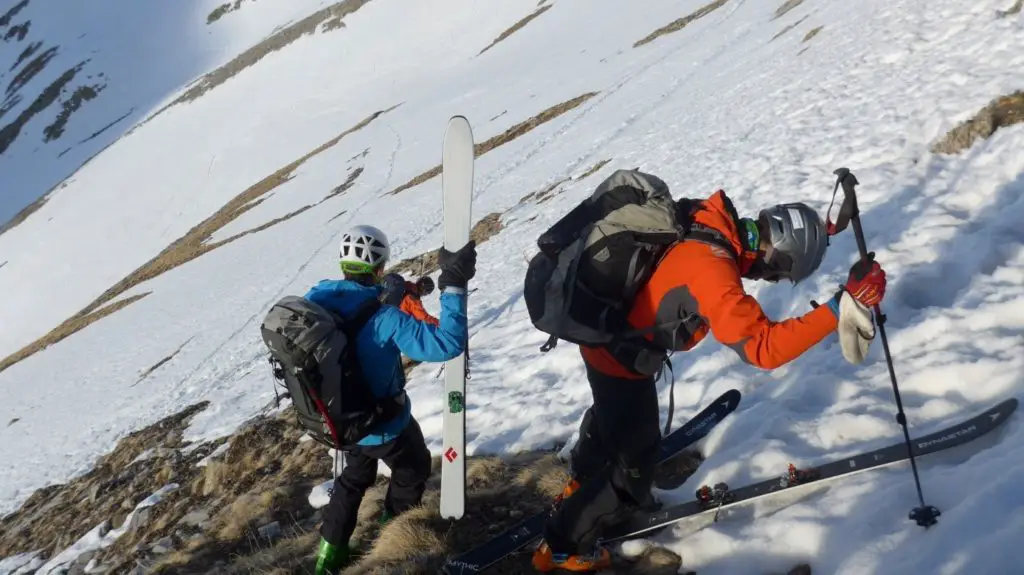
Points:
(716, 105)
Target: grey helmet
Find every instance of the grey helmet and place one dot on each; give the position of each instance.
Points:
(798, 237)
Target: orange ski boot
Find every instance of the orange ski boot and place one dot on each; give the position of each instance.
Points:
(570, 487)
(545, 561)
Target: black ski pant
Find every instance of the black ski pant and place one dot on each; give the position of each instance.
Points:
(409, 459)
(614, 462)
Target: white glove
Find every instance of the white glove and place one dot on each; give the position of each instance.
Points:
(856, 329)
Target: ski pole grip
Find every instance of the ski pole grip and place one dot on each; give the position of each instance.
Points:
(850, 208)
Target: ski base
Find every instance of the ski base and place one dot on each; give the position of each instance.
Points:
(457, 188)
(721, 496)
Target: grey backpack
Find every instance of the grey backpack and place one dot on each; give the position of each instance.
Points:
(594, 260)
(312, 352)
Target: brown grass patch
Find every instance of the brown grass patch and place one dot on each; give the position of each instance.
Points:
(25, 212)
(33, 68)
(335, 23)
(17, 32)
(517, 26)
(186, 248)
(681, 23)
(213, 521)
(786, 7)
(273, 43)
(505, 137)
(1002, 112)
(787, 29)
(5, 20)
(222, 10)
(81, 95)
(426, 263)
(1015, 9)
(66, 328)
(552, 190)
(161, 363)
(27, 53)
(10, 132)
(55, 516)
(344, 186)
(812, 33)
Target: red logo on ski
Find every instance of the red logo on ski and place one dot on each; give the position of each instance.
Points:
(451, 455)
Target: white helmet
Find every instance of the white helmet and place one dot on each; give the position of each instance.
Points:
(364, 249)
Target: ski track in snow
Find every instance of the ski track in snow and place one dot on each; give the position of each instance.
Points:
(716, 105)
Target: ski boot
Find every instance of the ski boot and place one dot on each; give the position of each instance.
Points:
(545, 561)
(571, 487)
(331, 558)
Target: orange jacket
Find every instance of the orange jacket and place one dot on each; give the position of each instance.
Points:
(702, 284)
(412, 305)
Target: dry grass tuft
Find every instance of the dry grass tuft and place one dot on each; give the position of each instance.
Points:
(273, 43)
(812, 33)
(552, 190)
(517, 26)
(786, 7)
(49, 95)
(223, 9)
(161, 363)
(5, 20)
(55, 516)
(265, 476)
(787, 29)
(426, 263)
(505, 137)
(67, 328)
(1002, 112)
(193, 244)
(681, 23)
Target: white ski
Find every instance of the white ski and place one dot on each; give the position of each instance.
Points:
(457, 186)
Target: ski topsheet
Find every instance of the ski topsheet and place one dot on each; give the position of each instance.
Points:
(457, 186)
(529, 529)
(720, 496)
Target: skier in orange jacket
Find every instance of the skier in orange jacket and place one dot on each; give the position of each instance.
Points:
(406, 295)
(695, 290)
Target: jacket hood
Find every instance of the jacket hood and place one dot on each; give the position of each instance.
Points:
(719, 213)
(342, 296)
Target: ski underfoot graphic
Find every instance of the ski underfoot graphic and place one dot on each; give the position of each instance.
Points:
(527, 531)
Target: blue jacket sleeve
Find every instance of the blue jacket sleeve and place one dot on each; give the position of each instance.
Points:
(421, 341)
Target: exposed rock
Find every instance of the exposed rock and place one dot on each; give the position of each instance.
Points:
(162, 546)
(271, 531)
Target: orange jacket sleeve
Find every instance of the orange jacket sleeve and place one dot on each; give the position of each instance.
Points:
(414, 307)
(737, 320)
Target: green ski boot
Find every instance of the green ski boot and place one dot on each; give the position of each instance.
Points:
(331, 558)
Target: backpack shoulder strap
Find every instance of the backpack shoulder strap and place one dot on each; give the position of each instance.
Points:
(711, 236)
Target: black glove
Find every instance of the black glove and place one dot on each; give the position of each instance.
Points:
(394, 289)
(457, 268)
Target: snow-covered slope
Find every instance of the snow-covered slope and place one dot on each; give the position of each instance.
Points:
(724, 102)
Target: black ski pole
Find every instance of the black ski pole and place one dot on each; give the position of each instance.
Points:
(924, 515)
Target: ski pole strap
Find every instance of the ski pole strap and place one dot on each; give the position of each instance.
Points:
(671, 396)
(549, 344)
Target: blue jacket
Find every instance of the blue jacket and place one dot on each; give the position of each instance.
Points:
(390, 333)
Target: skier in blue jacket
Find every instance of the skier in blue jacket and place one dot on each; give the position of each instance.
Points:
(386, 336)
